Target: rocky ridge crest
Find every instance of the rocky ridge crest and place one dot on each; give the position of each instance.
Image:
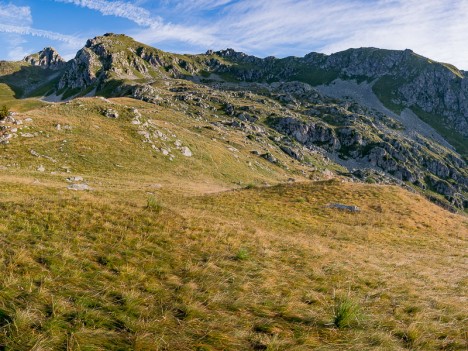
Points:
(46, 58)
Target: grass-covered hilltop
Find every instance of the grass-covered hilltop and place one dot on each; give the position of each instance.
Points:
(156, 201)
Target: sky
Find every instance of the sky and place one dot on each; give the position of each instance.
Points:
(437, 29)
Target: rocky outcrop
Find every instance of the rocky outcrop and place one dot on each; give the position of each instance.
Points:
(47, 58)
(119, 58)
(308, 134)
(401, 78)
(82, 71)
(403, 160)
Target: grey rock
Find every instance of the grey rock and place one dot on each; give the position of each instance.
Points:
(247, 118)
(111, 113)
(269, 157)
(79, 187)
(47, 58)
(75, 179)
(350, 208)
(186, 151)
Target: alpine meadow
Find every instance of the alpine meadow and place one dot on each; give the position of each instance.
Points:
(221, 201)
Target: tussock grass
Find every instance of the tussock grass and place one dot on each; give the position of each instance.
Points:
(346, 313)
(153, 204)
(82, 270)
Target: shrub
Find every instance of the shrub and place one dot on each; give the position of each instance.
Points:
(4, 112)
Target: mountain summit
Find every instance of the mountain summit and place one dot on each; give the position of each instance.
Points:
(46, 58)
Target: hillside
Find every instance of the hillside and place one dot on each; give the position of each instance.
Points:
(167, 203)
(177, 252)
(346, 125)
(344, 122)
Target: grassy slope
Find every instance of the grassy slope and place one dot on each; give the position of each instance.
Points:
(258, 268)
(15, 78)
(241, 270)
(7, 97)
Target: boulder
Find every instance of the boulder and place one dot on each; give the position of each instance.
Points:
(350, 208)
(78, 187)
(186, 151)
(111, 113)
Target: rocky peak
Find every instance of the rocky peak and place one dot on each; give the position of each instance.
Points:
(109, 38)
(229, 52)
(232, 54)
(117, 57)
(47, 58)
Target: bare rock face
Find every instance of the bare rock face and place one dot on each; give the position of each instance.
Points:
(116, 57)
(405, 160)
(81, 71)
(47, 58)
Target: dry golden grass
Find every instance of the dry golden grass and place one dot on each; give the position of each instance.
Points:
(249, 269)
(199, 263)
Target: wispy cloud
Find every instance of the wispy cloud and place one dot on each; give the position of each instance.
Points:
(156, 30)
(16, 22)
(435, 28)
(122, 9)
(40, 33)
(198, 5)
(11, 14)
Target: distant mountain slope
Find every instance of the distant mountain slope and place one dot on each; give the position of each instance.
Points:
(436, 92)
(275, 99)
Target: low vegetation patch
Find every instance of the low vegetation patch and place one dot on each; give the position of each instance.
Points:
(4, 112)
(346, 313)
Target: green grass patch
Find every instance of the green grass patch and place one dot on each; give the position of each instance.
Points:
(458, 141)
(315, 76)
(384, 89)
(346, 313)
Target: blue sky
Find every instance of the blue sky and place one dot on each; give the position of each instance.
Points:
(434, 28)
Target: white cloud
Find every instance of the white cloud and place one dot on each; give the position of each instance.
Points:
(16, 22)
(198, 5)
(434, 28)
(122, 9)
(11, 14)
(155, 28)
(40, 33)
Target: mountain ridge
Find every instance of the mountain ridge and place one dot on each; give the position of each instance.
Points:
(405, 79)
(353, 135)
